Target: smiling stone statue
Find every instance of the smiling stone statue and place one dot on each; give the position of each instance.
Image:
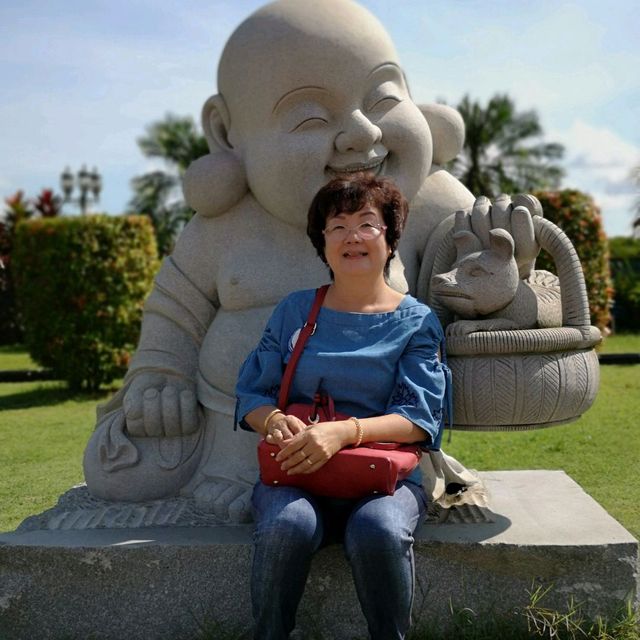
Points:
(306, 90)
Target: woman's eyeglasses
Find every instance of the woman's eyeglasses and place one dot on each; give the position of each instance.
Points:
(365, 231)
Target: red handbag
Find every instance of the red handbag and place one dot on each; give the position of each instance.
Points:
(353, 472)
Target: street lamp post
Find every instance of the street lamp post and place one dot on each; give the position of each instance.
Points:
(89, 184)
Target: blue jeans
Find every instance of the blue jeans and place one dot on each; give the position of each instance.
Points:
(377, 532)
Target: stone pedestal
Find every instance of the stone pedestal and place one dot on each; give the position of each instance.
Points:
(170, 582)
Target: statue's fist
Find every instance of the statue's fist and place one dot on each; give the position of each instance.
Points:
(157, 405)
(514, 215)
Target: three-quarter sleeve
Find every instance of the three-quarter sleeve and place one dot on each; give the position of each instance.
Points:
(261, 373)
(422, 385)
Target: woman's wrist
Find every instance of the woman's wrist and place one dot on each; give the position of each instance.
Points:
(349, 432)
(359, 431)
(271, 418)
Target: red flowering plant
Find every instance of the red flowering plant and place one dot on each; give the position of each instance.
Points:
(18, 208)
(47, 204)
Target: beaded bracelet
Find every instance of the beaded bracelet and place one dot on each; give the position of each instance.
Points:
(360, 431)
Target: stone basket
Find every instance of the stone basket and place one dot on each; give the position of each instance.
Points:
(529, 378)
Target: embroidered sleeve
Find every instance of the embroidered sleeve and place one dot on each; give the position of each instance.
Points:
(421, 382)
(261, 373)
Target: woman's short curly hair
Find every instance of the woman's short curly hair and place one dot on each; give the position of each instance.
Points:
(350, 193)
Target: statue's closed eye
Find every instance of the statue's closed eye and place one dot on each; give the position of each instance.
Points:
(308, 123)
(385, 103)
(384, 96)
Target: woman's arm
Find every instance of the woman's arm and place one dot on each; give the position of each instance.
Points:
(311, 448)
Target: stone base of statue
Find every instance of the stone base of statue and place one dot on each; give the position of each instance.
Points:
(108, 575)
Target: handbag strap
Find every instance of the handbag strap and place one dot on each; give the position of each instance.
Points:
(307, 330)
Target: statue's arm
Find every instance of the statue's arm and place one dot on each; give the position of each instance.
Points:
(159, 396)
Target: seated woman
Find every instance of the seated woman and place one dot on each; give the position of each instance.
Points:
(376, 353)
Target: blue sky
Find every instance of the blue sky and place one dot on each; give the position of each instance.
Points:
(81, 80)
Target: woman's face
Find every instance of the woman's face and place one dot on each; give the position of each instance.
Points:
(347, 252)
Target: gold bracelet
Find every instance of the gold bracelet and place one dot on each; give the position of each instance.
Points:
(359, 430)
(266, 420)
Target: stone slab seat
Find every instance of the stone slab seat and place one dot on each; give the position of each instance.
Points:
(164, 582)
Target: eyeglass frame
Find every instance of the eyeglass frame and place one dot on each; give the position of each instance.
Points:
(349, 230)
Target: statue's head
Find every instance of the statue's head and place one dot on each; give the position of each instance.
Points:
(308, 89)
(482, 281)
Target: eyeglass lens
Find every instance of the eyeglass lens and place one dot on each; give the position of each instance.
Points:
(365, 230)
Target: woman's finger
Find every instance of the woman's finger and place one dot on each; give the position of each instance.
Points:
(309, 465)
(284, 429)
(297, 459)
(293, 446)
(275, 436)
(314, 466)
(295, 424)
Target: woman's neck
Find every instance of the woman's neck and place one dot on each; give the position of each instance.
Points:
(359, 296)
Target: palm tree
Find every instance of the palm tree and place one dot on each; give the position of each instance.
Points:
(178, 142)
(503, 151)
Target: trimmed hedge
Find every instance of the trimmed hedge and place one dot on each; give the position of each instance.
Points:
(81, 284)
(10, 330)
(579, 217)
(625, 269)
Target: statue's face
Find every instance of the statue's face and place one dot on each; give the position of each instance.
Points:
(335, 106)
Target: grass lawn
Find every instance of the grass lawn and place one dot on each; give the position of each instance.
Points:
(44, 429)
(15, 357)
(621, 343)
(43, 432)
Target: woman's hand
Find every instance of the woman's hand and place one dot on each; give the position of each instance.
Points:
(311, 448)
(282, 428)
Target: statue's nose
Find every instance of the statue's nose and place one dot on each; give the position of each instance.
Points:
(358, 134)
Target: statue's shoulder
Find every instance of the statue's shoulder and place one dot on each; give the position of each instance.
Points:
(442, 193)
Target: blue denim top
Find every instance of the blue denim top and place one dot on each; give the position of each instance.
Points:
(370, 363)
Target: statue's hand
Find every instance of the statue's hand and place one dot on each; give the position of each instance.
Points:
(158, 405)
(514, 215)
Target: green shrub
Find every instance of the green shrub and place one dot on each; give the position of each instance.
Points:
(10, 332)
(579, 217)
(625, 270)
(81, 283)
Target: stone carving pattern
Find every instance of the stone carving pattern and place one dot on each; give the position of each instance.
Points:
(539, 363)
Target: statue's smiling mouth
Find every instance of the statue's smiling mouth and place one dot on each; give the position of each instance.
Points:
(374, 166)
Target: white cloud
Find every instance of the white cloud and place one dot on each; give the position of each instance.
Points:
(600, 162)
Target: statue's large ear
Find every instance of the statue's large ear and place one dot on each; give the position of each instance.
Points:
(214, 183)
(216, 122)
(447, 131)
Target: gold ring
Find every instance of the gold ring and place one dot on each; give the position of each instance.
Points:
(303, 453)
(309, 461)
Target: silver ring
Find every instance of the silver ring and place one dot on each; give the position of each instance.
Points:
(309, 461)
(303, 453)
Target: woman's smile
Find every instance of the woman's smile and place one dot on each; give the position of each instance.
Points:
(355, 255)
